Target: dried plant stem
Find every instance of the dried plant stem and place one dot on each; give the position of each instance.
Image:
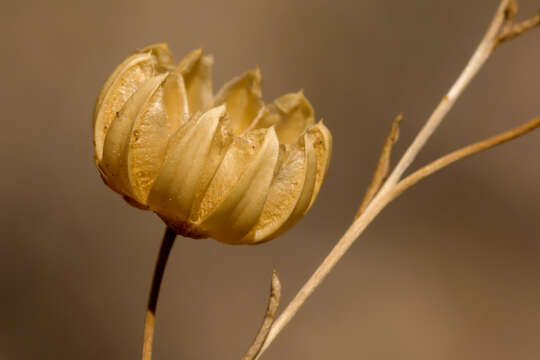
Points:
(383, 166)
(150, 319)
(458, 155)
(515, 30)
(389, 190)
(480, 56)
(375, 208)
(271, 310)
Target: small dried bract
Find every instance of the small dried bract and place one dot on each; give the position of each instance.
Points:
(225, 166)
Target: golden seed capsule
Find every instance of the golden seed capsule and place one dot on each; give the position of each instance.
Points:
(225, 166)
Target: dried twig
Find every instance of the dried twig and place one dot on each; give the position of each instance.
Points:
(459, 154)
(271, 310)
(383, 165)
(505, 12)
(149, 321)
(480, 56)
(514, 30)
(373, 210)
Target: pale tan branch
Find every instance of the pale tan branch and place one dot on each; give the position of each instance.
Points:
(271, 310)
(460, 154)
(360, 224)
(514, 30)
(480, 56)
(383, 165)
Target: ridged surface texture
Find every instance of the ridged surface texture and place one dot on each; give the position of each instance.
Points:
(226, 166)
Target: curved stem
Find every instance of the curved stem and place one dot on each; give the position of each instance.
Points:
(269, 316)
(383, 166)
(150, 319)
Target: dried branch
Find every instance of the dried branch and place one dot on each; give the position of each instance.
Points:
(503, 16)
(373, 210)
(149, 321)
(459, 154)
(271, 310)
(480, 56)
(514, 30)
(383, 165)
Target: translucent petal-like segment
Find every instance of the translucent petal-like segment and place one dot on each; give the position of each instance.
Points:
(135, 145)
(291, 114)
(193, 155)
(236, 196)
(307, 195)
(242, 96)
(150, 135)
(116, 145)
(163, 55)
(290, 193)
(197, 72)
(175, 100)
(322, 145)
(189, 61)
(123, 83)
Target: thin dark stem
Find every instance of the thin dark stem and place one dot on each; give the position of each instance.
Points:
(150, 319)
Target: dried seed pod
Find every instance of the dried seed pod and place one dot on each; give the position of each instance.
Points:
(226, 166)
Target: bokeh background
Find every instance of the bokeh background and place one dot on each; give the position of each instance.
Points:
(448, 271)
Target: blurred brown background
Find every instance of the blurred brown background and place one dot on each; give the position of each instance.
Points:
(448, 271)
